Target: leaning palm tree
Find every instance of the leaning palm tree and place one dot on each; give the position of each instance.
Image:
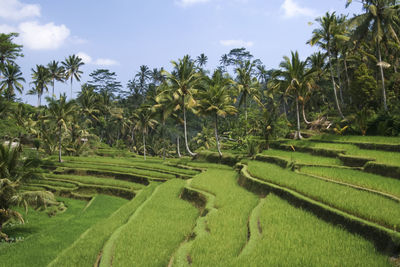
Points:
(56, 73)
(184, 81)
(41, 77)
(144, 121)
(297, 80)
(325, 37)
(381, 19)
(215, 101)
(60, 111)
(72, 65)
(12, 81)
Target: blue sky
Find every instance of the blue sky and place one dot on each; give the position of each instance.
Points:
(121, 35)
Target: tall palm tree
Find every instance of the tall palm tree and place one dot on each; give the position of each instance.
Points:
(41, 77)
(12, 81)
(9, 51)
(56, 72)
(297, 79)
(215, 101)
(381, 19)
(143, 75)
(144, 121)
(88, 102)
(72, 71)
(247, 85)
(60, 111)
(185, 81)
(201, 60)
(324, 37)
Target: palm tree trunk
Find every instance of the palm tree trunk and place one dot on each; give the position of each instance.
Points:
(163, 138)
(71, 87)
(304, 115)
(339, 80)
(216, 135)
(185, 131)
(334, 84)
(298, 134)
(383, 79)
(38, 100)
(144, 145)
(245, 112)
(59, 144)
(347, 79)
(52, 93)
(177, 147)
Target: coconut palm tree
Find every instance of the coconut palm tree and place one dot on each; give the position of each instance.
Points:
(71, 66)
(247, 86)
(143, 76)
(12, 81)
(324, 37)
(215, 100)
(144, 120)
(89, 105)
(201, 60)
(41, 77)
(184, 81)
(9, 51)
(56, 73)
(60, 111)
(381, 20)
(297, 80)
(13, 172)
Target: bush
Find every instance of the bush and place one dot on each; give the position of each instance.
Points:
(384, 123)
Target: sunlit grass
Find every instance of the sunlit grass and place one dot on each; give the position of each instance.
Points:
(302, 158)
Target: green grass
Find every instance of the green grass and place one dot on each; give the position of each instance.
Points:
(359, 139)
(85, 250)
(153, 233)
(366, 205)
(302, 158)
(46, 237)
(386, 157)
(100, 167)
(52, 183)
(367, 180)
(92, 180)
(292, 237)
(225, 232)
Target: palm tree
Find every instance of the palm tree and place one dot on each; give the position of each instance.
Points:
(184, 81)
(41, 77)
(381, 19)
(61, 112)
(201, 60)
(13, 172)
(144, 121)
(8, 50)
(215, 101)
(12, 81)
(56, 73)
(71, 66)
(324, 38)
(143, 75)
(247, 85)
(296, 78)
(88, 102)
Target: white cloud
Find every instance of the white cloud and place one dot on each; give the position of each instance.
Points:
(236, 43)
(85, 57)
(37, 36)
(186, 3)
(15, 10)
(99, 62)
(292, 9)
(105, 62)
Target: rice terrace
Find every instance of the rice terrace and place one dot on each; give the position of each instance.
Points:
(244, 159)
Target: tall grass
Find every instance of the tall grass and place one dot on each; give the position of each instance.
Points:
(153, 234)
(85, 250)
(46, 237)
(226, 229)
(302, 158)
(287, 236)
(366, 205)
(367, 180)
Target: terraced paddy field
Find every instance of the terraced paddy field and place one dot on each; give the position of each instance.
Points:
(280, 208)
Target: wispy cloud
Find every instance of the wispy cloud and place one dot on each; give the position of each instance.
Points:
(292, 9)
(186, 3)
(15, 10)
(106, 62)
(236, 43)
